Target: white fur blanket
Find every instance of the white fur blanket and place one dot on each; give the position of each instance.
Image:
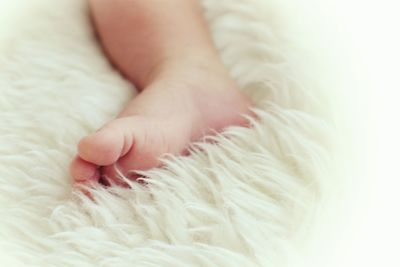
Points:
(242, 202)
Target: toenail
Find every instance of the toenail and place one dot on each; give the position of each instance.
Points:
(91, 178)
(95, 175)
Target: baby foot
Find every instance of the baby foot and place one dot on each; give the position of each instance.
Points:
(164, 118)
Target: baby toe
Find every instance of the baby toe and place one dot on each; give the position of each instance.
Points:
(102, 147)
(82, 170)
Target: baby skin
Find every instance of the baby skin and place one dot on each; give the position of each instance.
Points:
(165, 49)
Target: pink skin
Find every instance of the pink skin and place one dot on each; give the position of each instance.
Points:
(186, 92)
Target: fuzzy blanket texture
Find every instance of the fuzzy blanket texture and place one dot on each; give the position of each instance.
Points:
(244, 201)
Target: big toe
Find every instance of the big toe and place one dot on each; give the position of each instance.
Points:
(105, 146)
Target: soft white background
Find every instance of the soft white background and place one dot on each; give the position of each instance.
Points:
(367, 32)
(370, 233)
